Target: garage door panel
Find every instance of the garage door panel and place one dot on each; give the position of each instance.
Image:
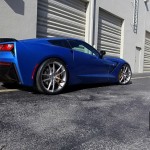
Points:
(64, 6)
(54, 32)
(110, 48)
(61, 18)
(109, 33)
(147, 58)
(146, 66)
(62, 28)
(110, 30)
(60, 25)
(110, 18)
(62, 13)
(113, 54)
(109, 27)
(146, 54)
(147, 48)
(147, 43)
(147, 61)
(114, 24)
(110, 39)
(56, 19)
(106, 35)
(77, 4)
(110, 44)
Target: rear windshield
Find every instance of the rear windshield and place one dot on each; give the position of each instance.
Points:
(2, 40)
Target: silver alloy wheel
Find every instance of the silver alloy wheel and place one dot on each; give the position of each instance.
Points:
(53, 76)
(125, 74)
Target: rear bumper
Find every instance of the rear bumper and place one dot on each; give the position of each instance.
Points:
(8, 73)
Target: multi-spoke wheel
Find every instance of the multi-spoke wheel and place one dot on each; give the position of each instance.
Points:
(125, 74)
(51, 76)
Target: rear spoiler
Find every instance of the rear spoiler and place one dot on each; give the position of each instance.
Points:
(2, 40)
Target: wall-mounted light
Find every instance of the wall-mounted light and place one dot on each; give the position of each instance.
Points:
(146, 1)
(146, 4)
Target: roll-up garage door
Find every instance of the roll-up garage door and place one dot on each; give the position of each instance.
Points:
(147, 53)
(63, 18)
(109, 33)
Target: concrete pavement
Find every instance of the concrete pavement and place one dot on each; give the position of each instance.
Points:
(95, 117)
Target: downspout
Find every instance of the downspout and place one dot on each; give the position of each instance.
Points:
(92, 22)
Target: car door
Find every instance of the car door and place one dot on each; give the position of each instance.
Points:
(88, 65)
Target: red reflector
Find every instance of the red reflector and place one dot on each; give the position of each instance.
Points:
(1, 46)
(6, 47)
(33, 73)
(5, 64)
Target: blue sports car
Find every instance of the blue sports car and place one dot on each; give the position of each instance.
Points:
(50, 64)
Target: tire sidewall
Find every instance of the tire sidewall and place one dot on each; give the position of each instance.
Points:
(39, 76)
(120, 72)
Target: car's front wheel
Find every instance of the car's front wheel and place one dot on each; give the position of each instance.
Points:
(51, 76)
(125, 74)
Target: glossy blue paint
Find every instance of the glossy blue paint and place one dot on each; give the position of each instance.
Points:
(82, 68)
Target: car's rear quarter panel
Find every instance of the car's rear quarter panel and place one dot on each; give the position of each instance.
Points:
(30, 54)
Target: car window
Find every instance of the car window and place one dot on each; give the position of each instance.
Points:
(61, 43)
(83, 47)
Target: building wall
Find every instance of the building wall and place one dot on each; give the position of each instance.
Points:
(130, 40)
(18, 18)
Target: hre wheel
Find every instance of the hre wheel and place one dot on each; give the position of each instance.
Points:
(51, 76)
(125, 74)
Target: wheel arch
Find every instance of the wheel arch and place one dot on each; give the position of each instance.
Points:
(123, 64)
(42, 61)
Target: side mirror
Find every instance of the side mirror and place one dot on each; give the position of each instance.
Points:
(103, 53)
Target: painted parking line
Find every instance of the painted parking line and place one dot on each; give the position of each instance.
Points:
(8, 90)
(140, 77)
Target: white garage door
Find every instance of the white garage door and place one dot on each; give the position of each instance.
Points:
(109, 33)
(147, 53)
(63, 18)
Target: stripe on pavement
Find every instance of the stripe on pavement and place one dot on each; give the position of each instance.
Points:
(8, 90)
(140, 77)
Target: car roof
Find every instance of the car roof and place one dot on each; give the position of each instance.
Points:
(49, 38)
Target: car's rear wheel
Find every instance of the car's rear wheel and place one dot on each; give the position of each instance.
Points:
(51, 76)
(125, 74)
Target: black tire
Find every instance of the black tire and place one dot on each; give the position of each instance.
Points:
(125, 74)
(9, 84)
(52, 76)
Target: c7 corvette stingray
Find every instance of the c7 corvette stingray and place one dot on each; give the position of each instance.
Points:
(50, 64)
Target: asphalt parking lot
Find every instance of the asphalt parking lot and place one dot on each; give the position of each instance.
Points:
(95, 117)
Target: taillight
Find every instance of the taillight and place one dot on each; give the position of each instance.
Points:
(5, 64)
(6, 47)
